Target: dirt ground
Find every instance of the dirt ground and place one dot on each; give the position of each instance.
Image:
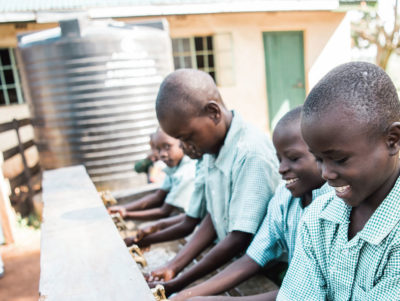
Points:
(21, 260)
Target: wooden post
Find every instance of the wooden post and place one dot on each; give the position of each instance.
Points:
(27, 172)
(8, 220)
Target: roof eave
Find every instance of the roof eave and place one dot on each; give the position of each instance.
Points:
(168, 10)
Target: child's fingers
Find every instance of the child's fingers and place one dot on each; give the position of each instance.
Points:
(146, 276)
(111, 209)
(139, 235)
(156, 276)
(121, 211)
(154, 283)
(128, 241)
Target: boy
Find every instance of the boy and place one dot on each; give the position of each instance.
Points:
(182, 225)
(348, 246)
(149, 165)
(240, 172)
(277, 234)
(176, 189)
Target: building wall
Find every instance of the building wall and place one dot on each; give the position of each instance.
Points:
(9, 31)
(326, 44)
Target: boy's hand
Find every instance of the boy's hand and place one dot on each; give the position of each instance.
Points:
(141, 233)
(130, 240)
(161, 274)
(117, 209)
(168, 286)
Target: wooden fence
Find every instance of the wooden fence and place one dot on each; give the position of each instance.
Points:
(25, 184)
(24, 180)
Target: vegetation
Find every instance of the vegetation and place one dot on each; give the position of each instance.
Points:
(372, 29)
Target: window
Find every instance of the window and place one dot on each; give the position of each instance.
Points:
(212, 54)
(194, 52)
(10, 84)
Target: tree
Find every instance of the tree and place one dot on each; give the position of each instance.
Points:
(373, 29)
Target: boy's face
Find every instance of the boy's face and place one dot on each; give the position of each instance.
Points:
(190, 151)
(168, 149)
(198, 135)
(355, 161)
(154, 152)
(296, 164)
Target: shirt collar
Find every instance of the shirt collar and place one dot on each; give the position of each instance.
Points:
(385, 217)
(380, 224)
(321, 191)
(336, 211)
(224, 158)
(324, 189)
(170, 170)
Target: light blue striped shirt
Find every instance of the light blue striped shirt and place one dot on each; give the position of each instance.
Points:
(327, 266)
(197, 206)
(277, 234)
(179, 182)
(241, 179)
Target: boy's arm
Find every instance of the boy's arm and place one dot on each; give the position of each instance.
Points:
(175, 231)
(234, 243)
(148, 201)
(270, 296)
(202, 238)
(267, 245)
(237, 272)
(169, 221)
(154, 213)
(155, 227)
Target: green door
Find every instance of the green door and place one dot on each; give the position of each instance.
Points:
(284, 59)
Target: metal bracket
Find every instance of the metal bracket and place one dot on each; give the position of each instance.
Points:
(159, 293)
(137, 255)
(119, 222)
(107, 198)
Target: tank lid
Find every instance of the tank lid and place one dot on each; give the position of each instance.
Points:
(72, 28)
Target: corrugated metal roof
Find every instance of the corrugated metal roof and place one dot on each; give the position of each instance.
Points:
(15, 6)
(44, 11)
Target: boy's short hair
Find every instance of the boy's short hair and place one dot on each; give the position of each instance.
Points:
(183, 91)
(361, 88)
(290, 117)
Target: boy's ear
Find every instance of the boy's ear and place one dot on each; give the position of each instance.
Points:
(393, 138)
(213, 111)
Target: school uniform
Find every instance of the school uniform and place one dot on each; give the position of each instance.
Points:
(241, 179)
(277, 235)
(327, 266)
(179, 182)
(197, 205)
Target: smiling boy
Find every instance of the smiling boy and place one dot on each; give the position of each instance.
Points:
(349, 241)
(176, 190)
(277, 234)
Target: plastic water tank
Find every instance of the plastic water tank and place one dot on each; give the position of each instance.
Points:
(91, 87)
